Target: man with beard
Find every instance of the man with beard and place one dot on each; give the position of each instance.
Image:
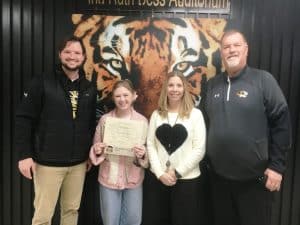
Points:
(248, 137)
(54, 128)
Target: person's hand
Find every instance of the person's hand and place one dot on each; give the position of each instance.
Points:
(273, 180)
(172, 174)
(97, 153)
(27, 167)
(99, 148)
(167, 179)
(139, 151)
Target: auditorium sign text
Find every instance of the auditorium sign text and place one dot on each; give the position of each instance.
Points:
(201, 6)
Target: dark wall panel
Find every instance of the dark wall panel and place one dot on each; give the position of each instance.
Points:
(5, 117)
(30, 31)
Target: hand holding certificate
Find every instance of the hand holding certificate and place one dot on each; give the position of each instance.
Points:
(121, 135)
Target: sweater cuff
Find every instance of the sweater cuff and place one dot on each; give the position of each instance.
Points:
(158, 174)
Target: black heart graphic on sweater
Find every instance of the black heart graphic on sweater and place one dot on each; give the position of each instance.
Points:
(171, 137)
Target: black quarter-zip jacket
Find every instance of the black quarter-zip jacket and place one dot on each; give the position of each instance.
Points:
(45, 129)
(248, 124)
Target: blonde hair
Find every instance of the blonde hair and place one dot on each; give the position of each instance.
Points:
(124, 83)
(187, 103)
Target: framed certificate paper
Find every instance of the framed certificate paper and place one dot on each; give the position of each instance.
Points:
(121, 135)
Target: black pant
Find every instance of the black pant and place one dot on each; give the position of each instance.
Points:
(176, 205)
(240, 202)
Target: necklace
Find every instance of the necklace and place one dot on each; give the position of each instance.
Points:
(168, 163)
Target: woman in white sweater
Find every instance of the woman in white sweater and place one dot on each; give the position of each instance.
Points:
(176, 145)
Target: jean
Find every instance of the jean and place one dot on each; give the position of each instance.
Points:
(121, 207)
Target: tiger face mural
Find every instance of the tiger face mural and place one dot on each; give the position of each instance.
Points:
(144, 50)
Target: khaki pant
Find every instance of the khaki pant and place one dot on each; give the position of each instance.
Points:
(48, 183)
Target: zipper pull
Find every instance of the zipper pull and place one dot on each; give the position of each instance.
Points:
(228, 89)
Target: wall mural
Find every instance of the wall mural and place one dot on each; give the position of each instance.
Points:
(144, 50)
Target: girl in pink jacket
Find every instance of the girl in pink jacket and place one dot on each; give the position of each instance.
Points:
(120, 177)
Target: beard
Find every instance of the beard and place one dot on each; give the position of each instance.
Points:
(232, 63)
(71, 69)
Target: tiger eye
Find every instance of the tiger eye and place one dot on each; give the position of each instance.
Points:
(116, 64)
(182, 66)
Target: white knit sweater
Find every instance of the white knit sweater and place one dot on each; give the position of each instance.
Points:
(185, 159)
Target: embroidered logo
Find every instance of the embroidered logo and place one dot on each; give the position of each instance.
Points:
(217, 95)
(242, 94)
(74, 102)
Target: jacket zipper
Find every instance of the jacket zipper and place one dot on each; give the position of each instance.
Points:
(228, 89)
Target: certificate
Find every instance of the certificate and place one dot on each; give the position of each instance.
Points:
(121, 135)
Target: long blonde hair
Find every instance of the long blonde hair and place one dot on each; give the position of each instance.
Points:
(187, 103)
